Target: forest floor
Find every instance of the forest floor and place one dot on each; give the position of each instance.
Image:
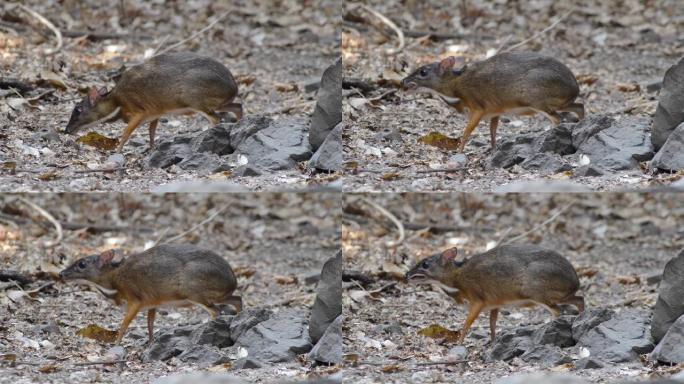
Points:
(615, 242)
(274, 242)
(618, 50)
(273, 50)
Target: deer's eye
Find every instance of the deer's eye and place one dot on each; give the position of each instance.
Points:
(425, 264)
(423, 72)
(81, 264)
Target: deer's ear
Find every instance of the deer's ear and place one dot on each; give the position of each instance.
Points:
(111, 257)
(449, 255)
(446, 65)
(93, 95)
(102, 91)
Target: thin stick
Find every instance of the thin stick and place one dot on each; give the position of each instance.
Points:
(161, 43)
(105, 170)
(50, 218)
(543, 31)
(47, 23)
(161, 236)
(291, 107)
(397, 223)
(208, 27)
(390, 24)
(437, 170)
(550, 219)
(194, 227)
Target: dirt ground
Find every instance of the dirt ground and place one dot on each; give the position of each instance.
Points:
(273, 48)
(615, 48)
(615, 242)
(272, 241)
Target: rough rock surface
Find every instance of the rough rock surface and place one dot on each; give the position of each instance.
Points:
(329, 348)
(670, 157)
(670, 305)
(280, 338)
(545, 355)
(670, 112)
(328, 304)
(671, 348)
(614, 144)
(511, 343)
(328, 112)
(263, 142)
(621, 339)
(328, 157)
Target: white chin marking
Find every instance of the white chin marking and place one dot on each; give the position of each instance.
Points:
(103, 290)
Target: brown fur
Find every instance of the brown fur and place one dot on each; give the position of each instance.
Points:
(163, 84)
(502, 83)
(520, 274)
(160, 275)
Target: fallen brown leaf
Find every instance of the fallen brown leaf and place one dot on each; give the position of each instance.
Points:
(436, 331)
(98, 141)
(94, 331)
(440, 141)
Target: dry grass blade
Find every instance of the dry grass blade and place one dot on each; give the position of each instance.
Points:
(194, 227)
(201, 31)
(389, 215)
(545, 222)
(543, 31)
(390, 24)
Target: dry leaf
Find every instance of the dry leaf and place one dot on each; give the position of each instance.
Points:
(286, 280)
(586, 271)
(391, 368)
(50, 368)
(245, 79)
(587, 79)
(391, 176)
(629, 280)
(628, 87)
(94, 331)
(48, 176)
(54, 79)
(438, 140)
(98, 141)
(436, 331)
(244, 272)
(286, 87)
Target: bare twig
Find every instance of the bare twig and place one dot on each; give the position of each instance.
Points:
(78, 226)
(48, 24)
(161, 236)
(390, 24)
(397, 223)
(104, 170)
(208, 27)
(50, 218)
(545, 222)
(194, 227)
(543, 31)
(429, 363)
(291, 107)
(161, 43)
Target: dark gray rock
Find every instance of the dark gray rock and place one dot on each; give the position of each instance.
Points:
(511, 343)
(203, 355)
(204, 163)
(670, 157)
(247, 319)
(278, 339)
(328, 157)
(588, 320)
(215, 332)
(248, 170)
(614, 144)
(170, 151)
(329, 348)
(556, 140)
(511, 151)
(246, 127)
(393, 328)
(588, 363)
(246, 363)
(328, 112)
(546, 163)
(654, 278)
(557, 332)
(670, 350)
(279, 146)
(620, 339)
(670, 111)
(545, 355)
(214, 140)
(588, 170)
(168, 343)
(669, 306)
(328, 304)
